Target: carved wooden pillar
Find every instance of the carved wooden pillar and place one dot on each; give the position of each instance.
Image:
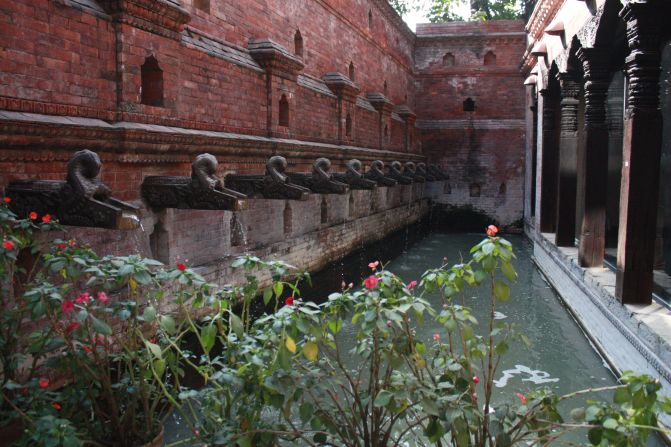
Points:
(593, 168)
(549, 154)
(568, 158)
(640, 156)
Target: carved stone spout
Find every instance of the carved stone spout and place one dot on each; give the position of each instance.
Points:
(438, 173)
(274, 184)
(202, 191)
(354, 178)
(410, 170)
(320, 180)
(81, 200)
(376, 174)
(396, 174)
(421, 171)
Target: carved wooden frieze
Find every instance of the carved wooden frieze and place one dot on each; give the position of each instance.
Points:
(320, 180)
(395, 173)
(81, 200)
(354, 177)
(274, 184)
(377, 174)
(202, 191)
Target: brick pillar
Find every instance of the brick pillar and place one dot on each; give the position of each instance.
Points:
(546, 176)
(593, 169)
(640, 156)
(568, 158)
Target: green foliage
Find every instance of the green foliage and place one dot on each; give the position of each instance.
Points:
(403, 7)
(447, 10)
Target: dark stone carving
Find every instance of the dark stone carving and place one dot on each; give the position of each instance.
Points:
(437, 173)
(422, 172)
(354, 178)
(410, 170)
(396, 174)
(202, 191)
(376, 174)
(274, 184)
(320, 180)
(81, 200)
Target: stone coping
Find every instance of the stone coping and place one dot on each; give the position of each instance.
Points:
(646, 328)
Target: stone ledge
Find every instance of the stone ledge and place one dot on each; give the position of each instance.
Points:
(629, 336)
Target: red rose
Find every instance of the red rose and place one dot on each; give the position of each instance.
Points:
(412, 284)
(32, 215)
(56, 406)
(522, 399)
(181, 267)
(43, 383)
(492, 230)
(373, 265)
(87, 349)
(371, 282)
(46, 218)
(102, 296)
(68, 306)
(82, 298)
(476, 380)
(8, 199)
(72, 243)
(71, 327)
(289, 301)
(61, 246)
(8, 245)
(436, 337)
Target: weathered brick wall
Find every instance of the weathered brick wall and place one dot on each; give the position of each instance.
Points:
(482, 151)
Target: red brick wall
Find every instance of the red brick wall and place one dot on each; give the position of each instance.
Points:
(482, 151)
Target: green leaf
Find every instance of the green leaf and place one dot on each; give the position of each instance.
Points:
(594, 436)
(290, 344)
(149, 314)
(306, 411)
(278, 288)
(319, 438)
(237, 326)
(208, 336)
(621, 396)
(154, 349)
(578, 414)
(168, 324)
(267, 295)
(610, 424)
(509, 271)
(159, 367)
(335, 326)
(501, 290)
(100, 326)
(383, 398)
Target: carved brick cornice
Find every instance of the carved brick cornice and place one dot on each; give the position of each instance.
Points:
(275, 59)
(341, 86)
(164, 17)
(406, 113)
(595, 63)
(380, 102)
(644, 34)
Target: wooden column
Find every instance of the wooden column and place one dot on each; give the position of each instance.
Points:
(593, 168)
(568, 161)
(549, 152)
(640, 156)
